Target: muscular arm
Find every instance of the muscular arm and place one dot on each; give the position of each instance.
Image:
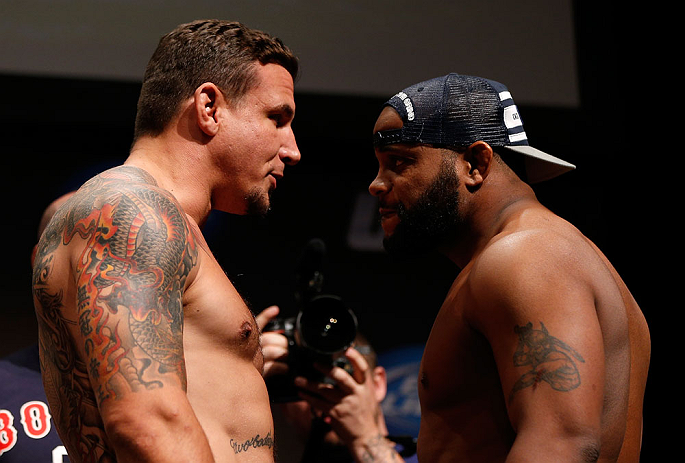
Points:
(132, 253)
(538, 314)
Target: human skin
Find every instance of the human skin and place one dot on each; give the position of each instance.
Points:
(539, 352)
(148, 351)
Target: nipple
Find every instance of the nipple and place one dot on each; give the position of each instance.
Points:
(246, 330)
(424, 380)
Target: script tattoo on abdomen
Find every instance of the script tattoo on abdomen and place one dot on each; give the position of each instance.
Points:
(253, 443)
(550, 360)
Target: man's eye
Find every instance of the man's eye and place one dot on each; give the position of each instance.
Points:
(398, 162)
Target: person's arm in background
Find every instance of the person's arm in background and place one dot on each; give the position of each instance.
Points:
(351, 407)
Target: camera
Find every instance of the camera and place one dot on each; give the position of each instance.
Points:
(320, 333)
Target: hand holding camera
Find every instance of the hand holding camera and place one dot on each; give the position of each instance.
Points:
(322, 330)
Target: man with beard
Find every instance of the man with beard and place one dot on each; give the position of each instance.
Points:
(539, 352)
(148, 353)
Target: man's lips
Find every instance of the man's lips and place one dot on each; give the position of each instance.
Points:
(386, 212)
(274, 177)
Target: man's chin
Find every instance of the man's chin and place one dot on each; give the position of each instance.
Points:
(389, 223)
(258, 203)
(258, 211)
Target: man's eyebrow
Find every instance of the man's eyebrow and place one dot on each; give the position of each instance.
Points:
(405, 148)
(285, 109)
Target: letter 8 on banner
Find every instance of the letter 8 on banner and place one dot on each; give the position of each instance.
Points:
(35, 418)
(8, 433)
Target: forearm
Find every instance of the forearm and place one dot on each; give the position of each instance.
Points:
(374, 449)
(155, 447)
(169, 432)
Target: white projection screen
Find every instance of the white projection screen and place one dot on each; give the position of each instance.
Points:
(346, 47)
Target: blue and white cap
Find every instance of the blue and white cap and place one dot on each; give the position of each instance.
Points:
(456, 111)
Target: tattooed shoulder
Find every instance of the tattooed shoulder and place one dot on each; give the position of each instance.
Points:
(131, 253)
(135, 254)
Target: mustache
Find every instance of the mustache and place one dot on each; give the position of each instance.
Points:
(399, 207)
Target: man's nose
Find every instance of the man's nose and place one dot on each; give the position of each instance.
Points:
(289, 152)
(378, 186)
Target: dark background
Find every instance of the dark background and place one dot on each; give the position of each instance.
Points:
(58, 132)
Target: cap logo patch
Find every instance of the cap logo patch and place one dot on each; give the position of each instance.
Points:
(511, 117)
(407, 105)
(517, 137)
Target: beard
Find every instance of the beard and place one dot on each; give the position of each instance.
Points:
(258, 202)
(432, 221)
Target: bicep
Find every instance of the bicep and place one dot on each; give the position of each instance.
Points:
(551, 370)
(130, 278)
(547, 344)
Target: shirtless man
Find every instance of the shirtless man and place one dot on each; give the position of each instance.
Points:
(539, 352)
(148, 352)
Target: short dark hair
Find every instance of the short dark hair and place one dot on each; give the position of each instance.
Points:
(217, 51)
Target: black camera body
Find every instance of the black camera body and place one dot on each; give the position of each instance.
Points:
(320, 334)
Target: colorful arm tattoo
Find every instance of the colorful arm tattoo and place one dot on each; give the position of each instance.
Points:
(136, 256)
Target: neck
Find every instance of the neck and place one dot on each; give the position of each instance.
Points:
(486, 213)
(177, 171)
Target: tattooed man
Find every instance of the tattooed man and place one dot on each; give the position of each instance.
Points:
(147, 351)
(539, 352)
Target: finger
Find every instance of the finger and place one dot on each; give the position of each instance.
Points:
(342, 379)
(275, 368)
(360, 367)
(345, 380)
(274, 353)
(324, 391)
(273, 339)
(266, 315)
(319, 405)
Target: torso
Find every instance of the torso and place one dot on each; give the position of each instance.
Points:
(223, 358)
(464, 412)
(224, 363)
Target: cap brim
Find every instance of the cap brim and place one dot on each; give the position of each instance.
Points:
(541, 166)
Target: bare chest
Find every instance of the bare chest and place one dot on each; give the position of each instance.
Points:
(217, 320)
(224, 367)
(457, 368)
(459, 385)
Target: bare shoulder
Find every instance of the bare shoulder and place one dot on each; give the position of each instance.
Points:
(537, 260)
(544, 271)
(559, 321)
(124, 248)
(120, 202)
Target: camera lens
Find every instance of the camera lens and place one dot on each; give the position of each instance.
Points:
(326, 325)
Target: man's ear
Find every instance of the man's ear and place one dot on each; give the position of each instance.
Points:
(208, 101)
(478, 157)
(380, 383)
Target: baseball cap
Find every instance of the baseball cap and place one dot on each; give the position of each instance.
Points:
(456, 111)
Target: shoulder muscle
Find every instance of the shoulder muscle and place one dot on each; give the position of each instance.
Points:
(132, 252)
(532, 301)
